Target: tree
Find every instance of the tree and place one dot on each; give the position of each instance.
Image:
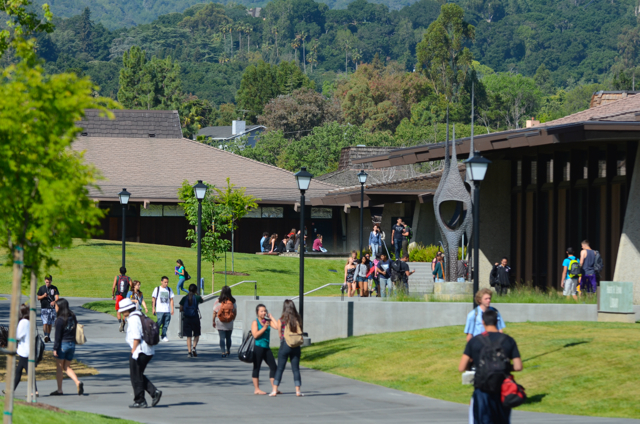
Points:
(218, 209)
(22, 23)
(299, 112)
(512, 96)
(86, 31)
(544, 81)
(441, 53)
(131, 76)
(195, 114)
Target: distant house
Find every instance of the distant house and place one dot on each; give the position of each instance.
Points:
(219, 136)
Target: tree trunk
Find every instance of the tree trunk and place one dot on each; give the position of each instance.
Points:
(18, 258)
(213, 275)
(346, 63)
(31, 371)
(248, 43)
(304, 57)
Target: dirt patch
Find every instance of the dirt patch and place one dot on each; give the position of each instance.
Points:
(46, 370)
(42, 406)
(244, 274)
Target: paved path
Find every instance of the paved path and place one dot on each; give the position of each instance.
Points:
(212, 388)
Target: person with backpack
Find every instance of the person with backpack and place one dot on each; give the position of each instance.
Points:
(224, 315)
(407, 235)
(261, 332)
(24, 343)
(474, 324)
(162, 304)
(501, 276)
(291, 338)
(121, 284)
(64, 346)
(384, 277)
(191, 319)
(491, 353)
(396, 237)
(591, 264)
(135, 294)
(402, 271)
(570, 275)
(182, 277)
(48, 295)
(141, 354)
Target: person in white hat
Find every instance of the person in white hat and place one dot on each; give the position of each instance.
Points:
(141, 354)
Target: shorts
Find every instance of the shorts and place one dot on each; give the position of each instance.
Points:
(361, 279)
(191, 327)
(67, 350)
(48, 316)
(570, 287)
(118, 299)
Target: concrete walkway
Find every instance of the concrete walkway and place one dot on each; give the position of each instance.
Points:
(210, 388)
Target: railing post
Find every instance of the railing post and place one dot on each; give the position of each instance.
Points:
(255, 290)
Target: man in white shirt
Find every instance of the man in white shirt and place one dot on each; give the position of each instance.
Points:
(141, 354)
(162, 300)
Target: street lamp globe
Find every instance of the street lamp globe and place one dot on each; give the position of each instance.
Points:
(124, 196)
(476, 167)
(200, 190)
(303, 178)
(362, 177)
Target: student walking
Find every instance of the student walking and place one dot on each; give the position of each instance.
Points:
(48, 295)
(290, 322)
(224, 315)
(570, 275)
(486, 403)
(375, 242)
(407, 235)
(349, 277)
(191, 319)
(405, 273)
(588, 282)
(474, 324)
(162, 304)
(141, 355)
(24, 343)
(501, 275)
(182, 277)
(121, 284)
(361, 277)
(396, 237)
(261, 331)
(384, 276)
(135, 295)
(438, 270)
(64, 346)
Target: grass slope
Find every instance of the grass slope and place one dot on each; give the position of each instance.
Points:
(569, 368)
(87, 270)
(24, 413)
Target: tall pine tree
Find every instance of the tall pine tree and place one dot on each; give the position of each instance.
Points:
(86, 31)
(130, 93)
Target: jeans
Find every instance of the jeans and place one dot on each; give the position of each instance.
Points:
(180, 286)
(384, 283)
(285, 353)
(438, 280)
(225, 336)
(501, 289)
(22, 364)
(139, 381)
(488, 409)
(164, 318)
(375, 251)
(397, 245)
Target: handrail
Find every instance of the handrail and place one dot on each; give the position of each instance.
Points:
(213, 296)
(321, 287)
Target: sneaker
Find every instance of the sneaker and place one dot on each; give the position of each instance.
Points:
(122, 326)
(47, 339)
(156, 398)
(190, 355)
(165, 339)
(195, 354)
(80, 389)
(139, 405)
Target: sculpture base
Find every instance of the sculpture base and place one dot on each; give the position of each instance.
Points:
(453, 290)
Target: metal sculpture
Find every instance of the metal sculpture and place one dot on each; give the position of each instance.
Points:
(452, 188)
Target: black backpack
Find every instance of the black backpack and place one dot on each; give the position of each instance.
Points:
(150, 330)
(597, 262)
(493, 366)
(394, 271)
(40, 348)
(124, 282)
(186, 275)
(246, 351)
(190, 309)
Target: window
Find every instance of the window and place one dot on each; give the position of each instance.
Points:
(550, 171)
(173, 210)
(585, 170)
(566, 171)
(602, 168)
(151, 210)
(621, 164)
(272, 212)
(254, 213)
(534, 172)
(321, 213)
(162, 210)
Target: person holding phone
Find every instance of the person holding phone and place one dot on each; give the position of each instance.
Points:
(261, 331)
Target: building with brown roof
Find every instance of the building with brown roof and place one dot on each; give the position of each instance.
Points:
(144, 152)
(553, 185)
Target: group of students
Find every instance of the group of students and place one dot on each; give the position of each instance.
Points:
(289, 243)
(581, 275)
(369, 276)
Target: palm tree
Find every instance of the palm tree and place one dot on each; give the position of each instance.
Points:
(296, 46)
(303, 36)
(356, 56)
(248, 29)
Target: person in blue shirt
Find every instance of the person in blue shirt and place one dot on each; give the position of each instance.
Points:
(264, 238)
(375, 242)
(474, 324)
(569, 283)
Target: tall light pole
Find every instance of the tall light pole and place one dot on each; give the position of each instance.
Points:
(200, 191)
(303, 178)
(362, 177)
(476, 170)
(124, 201)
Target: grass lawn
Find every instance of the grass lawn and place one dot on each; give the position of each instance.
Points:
(46, 370)
(108, 307)
(87, 270)
(569, 368)
(24, 413)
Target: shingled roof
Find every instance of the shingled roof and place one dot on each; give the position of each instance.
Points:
(132, 124)
(153, 169)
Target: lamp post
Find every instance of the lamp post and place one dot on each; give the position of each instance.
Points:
(476, 170)
(362, 177)
(303, 178)
(124, 201)
(200, 191)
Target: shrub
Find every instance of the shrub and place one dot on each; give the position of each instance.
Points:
(426, 253)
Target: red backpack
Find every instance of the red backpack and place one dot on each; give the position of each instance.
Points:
(513, 394)
(226, 313)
